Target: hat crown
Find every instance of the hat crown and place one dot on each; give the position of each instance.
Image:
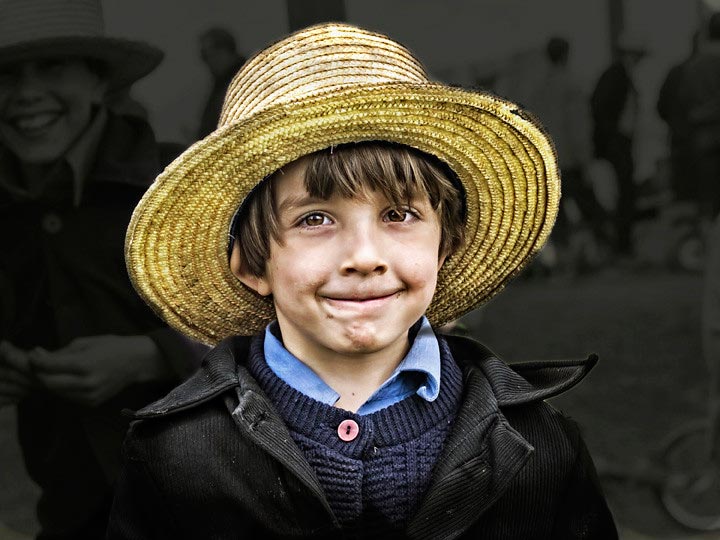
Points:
(316, 61)
(24, 21)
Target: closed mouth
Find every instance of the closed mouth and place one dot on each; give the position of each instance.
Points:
(364, 303)
(364, 297)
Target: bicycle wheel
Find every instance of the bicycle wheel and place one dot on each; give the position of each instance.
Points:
(691, 491)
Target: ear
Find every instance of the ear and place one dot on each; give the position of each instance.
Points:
(259, 284)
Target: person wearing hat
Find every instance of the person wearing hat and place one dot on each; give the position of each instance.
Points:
(346, 207)
(77, 344)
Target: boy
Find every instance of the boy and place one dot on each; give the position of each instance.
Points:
(77, 345)
(364, 204)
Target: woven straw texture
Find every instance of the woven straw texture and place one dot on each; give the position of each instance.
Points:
(32, 28)
(327, 85)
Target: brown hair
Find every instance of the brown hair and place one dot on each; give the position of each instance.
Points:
(399, 172)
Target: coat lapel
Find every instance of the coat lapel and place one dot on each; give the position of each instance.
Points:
(481, 457)
(483, 453)
(258, 421)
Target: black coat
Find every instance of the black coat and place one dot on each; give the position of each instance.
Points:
(213, 460)
(610, 97)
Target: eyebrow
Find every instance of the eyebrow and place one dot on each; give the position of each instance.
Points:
(296, 201)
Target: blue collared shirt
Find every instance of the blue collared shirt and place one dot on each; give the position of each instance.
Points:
(418, 373)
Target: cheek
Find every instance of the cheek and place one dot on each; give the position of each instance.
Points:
(295, 272)
(420, 257)
(79, 94)
(421, 271)
(79, 108)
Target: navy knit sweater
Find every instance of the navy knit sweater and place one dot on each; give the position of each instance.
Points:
(375, 481)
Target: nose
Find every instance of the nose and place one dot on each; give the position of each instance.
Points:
(363, 252)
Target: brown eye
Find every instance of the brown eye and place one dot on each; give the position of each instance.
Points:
(396, 215)
(314, 220)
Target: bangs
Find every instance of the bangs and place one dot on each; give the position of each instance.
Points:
(397, 171)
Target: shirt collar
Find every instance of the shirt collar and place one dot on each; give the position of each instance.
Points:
(81, 155)
(418, 372)
(423, 358)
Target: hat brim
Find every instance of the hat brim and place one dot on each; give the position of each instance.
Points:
(127, 60)
(177, 239)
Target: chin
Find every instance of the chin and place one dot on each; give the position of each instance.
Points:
(368, 340)
(36, 154)
(364, 347)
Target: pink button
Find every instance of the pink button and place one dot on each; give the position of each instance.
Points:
(348, 430)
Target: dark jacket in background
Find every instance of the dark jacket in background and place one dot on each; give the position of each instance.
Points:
(213, 460)
(672, 106)
(612, 94)
(614, 101)
(700, 99)
(63, 276)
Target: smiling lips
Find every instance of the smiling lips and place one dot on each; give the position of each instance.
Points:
(34, 123)
(364, 301)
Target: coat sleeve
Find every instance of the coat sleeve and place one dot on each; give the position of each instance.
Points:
(139, 511)
(583, 513)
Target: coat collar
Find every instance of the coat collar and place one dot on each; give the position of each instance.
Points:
(512, 385)
(520, 383)
(483, 453)
(217, 375)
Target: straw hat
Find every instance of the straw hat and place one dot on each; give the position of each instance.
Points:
(327, 85)
(36, 28)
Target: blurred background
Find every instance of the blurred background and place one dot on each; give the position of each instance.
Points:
(625, 271)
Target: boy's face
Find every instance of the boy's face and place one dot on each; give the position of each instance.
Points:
(45, 104)
(351, 275)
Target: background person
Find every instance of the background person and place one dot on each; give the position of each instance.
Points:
(700, 100)
(563, 109)
(77, 344)
(218, 51)
(615, 109)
